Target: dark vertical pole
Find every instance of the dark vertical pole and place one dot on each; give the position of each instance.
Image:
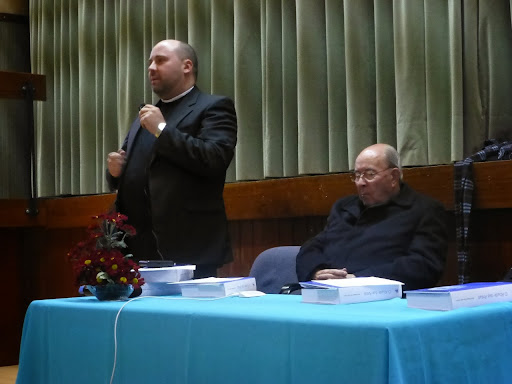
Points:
(28, 91)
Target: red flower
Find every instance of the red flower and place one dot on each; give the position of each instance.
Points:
(99, 260)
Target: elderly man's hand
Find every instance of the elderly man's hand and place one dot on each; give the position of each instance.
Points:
(324, 274)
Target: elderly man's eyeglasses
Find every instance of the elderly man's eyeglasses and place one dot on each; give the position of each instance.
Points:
(367, 175)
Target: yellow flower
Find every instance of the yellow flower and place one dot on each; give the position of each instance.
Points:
(114, 266)
(135, 280)
(102, 259)
(123, 279)
(87, 262)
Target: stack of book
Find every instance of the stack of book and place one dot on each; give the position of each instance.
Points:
(456, 296)
(346, 291)
(216, 286)
(157, 279)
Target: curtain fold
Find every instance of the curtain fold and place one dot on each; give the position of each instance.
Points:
(248, 89)
(312, 105)
(410, 77)
(272, 74)
(360, 74)
(336, 86)
(314, 81)
(385, 73)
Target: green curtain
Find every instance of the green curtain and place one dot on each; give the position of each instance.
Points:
(314, 81)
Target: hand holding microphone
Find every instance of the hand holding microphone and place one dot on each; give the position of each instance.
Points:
(151, 119)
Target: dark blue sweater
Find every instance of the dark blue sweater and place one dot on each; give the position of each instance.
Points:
(404, 239)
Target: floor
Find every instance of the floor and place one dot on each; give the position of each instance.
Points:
(8, 374)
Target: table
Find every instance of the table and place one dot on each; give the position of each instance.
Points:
(270, 339)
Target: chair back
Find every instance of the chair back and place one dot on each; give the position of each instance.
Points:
(274, 268)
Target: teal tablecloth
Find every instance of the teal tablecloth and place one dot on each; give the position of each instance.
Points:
(270, 339)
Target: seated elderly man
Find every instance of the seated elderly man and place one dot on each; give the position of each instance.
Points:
(388, 230)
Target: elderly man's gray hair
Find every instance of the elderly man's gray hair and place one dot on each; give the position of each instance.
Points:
(393, 158)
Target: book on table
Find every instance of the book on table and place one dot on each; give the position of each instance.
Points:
(347, 291)
(216, 286)
(157, 279)
(457, 296)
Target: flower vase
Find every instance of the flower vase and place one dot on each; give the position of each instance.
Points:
(111, 291)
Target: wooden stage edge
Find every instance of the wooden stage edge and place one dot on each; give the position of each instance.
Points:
(278, 198)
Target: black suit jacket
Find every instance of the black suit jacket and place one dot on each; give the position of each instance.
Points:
(185, 179)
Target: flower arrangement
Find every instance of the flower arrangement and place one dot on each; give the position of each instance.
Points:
(99, 261)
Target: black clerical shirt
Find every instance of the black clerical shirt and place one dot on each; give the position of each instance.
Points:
(136, 204)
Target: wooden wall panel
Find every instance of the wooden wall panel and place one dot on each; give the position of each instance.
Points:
(13, 82)
(250, 238)
(66, 212)
(493, 185)
(11, 320)
(16, 7)
(491, 244)
(52, 274)
(13, 215)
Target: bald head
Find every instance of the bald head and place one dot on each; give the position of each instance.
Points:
(185, 52)
(172, 68)
(385, 152)
(380, 171)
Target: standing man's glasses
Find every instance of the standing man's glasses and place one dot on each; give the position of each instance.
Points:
(367, 175)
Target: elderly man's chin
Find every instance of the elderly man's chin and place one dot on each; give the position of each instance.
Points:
(368, 201)
(364, 199)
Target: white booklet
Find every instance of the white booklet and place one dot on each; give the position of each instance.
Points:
(456, 296)
(157, 279)
(346, 291)
(216, 286)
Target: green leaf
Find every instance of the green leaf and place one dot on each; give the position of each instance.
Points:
(104, 276)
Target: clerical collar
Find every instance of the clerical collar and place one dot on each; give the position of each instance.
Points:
(179, 96)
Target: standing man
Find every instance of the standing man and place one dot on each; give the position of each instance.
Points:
(388, 230)
(171, 169)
